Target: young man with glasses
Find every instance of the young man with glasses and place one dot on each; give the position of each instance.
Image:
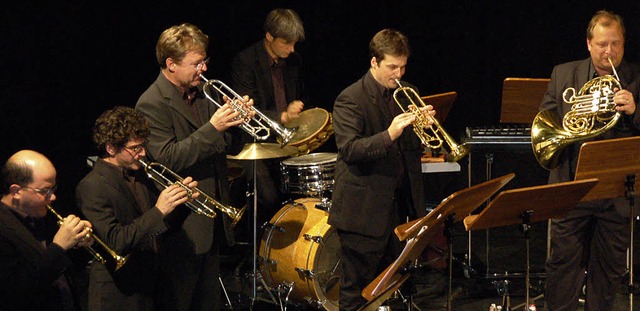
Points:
(191, 136)
(31, 265)
(119, 199)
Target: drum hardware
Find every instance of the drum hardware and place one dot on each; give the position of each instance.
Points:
(305, 272)
(318, 304)
(284, 290)
(252, 125)
(258, 151)
(315, 238)
(271, 226)
(325, 202)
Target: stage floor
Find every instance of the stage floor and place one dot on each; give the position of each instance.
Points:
(430, 289)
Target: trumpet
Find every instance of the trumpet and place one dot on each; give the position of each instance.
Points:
(119, 260)
(433, 136)
(203, 204)
(255, 126)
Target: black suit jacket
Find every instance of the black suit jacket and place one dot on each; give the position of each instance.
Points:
(575, 74)
(27, 270)
(251, 75)
(190, 147)
(365, 171)
(118, 220)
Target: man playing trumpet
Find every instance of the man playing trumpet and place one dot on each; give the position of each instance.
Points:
(378, 181)
(119, 199)
(191, 136)
(31, 269)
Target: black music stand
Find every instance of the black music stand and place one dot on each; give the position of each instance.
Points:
(418, 233)
(617, 172)
(527, 205)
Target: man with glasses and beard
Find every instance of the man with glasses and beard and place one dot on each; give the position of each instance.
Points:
(119, 199)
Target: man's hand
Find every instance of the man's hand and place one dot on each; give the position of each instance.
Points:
(293, 111)
(399, 123)
(175, 195)
(225, 117)
(73, 231)
(624, 102)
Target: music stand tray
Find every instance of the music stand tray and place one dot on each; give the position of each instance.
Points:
(521, 99)
(603, 160)
(418, 232)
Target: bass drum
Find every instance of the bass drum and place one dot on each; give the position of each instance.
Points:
(300, 252)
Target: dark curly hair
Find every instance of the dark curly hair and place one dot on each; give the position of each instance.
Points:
(117, 126)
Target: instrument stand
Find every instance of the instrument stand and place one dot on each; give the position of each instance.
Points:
(617, 179)
(448, 233)
(254, 152)
(630, 195)
(527, 205)
(418, 234)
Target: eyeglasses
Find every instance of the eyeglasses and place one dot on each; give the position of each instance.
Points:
(201, 64)
(46, 192)
(136, 148)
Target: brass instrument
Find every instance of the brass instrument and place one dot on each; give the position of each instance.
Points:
(433, 136)
(203, 204)
(254, 126)
(119, 260)
(592, 113)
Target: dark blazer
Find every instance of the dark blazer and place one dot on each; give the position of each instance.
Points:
(190, 147)
(575, 74)
(27, 270)
(365, 171)
(118, 220)
(251, 75)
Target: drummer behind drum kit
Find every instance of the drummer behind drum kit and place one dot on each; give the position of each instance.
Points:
(299, 252)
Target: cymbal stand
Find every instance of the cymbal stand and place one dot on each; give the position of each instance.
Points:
(526, 225)
(448, 233)
(630, 194)
(254, 291)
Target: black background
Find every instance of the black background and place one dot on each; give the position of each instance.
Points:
(65, 62)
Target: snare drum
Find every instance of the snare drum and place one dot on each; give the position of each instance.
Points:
(309, 175)
(300, 250)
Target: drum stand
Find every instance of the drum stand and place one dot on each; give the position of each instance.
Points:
(259, 151)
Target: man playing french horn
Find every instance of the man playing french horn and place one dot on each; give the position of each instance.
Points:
(594, 236)
(126, 211)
